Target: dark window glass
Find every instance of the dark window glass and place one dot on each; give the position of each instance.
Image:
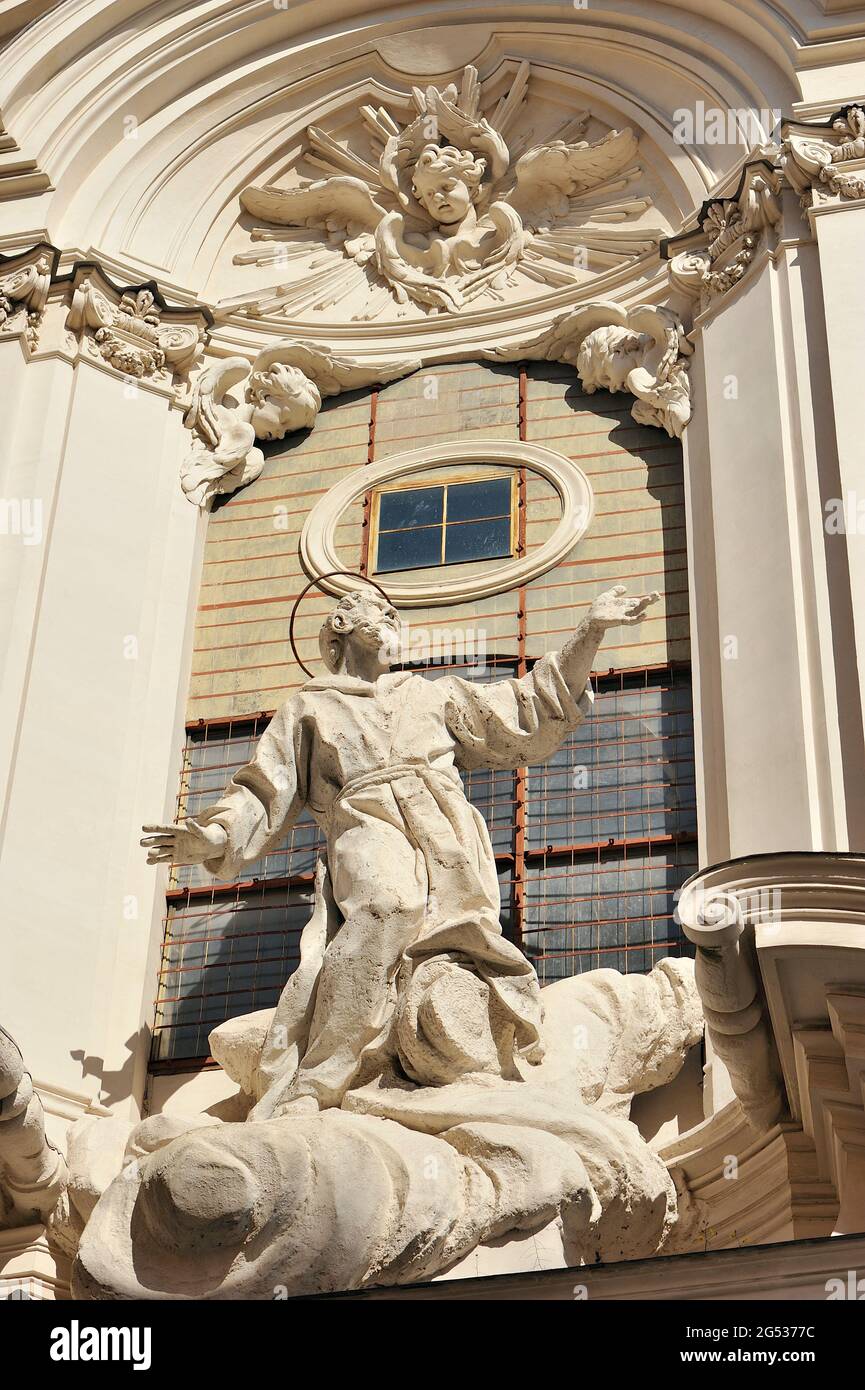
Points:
(212, 756)
(405, 550)
(474, 501)
(626, 773)
(598, 891)
(423, 527)
(613, 910)
(477, 540)
(221, 958)
(416, 507)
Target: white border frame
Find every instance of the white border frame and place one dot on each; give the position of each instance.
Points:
(317, 541)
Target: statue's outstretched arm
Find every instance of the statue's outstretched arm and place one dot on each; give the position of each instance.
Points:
(610, 609)
(519, 722)
(257, 808)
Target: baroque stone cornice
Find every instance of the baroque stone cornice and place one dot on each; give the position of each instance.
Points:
(707, 262)
(131, 329)
(825, 163)
(781, 971)
(19, 173)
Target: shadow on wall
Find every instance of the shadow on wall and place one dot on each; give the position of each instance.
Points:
(116, 1086)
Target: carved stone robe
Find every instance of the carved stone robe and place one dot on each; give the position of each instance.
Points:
(410, 869)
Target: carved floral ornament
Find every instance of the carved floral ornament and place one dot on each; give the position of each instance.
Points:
(713, 259)
(131, 329)
(24, 285)
(827, 163)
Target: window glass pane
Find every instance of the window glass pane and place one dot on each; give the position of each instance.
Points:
(414, 507)
(477, 540)
(222, 958)
(405, 550)
(213, 755)
(472, 501)
(626, 773)
(613, 909)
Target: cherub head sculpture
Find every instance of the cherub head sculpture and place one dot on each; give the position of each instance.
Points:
(368, 620)
(447, 181)
(282, 399)
(607, 355)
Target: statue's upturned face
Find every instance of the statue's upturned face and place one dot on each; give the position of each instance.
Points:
(376, 627)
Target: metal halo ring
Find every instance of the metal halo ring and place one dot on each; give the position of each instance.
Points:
(348, 574)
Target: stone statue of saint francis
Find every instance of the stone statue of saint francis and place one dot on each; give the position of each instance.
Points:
(409, 876)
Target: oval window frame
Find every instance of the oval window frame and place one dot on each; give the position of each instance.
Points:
(318, 545)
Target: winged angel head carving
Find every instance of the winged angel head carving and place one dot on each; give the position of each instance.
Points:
(451, 213)
(235, 402)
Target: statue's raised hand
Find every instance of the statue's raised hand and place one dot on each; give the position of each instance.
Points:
(614, 607)
(187, 843)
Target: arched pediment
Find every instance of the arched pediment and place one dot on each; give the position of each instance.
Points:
(148, 133)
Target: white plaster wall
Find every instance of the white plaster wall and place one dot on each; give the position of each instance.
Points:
(760, 672)
(768, 620)
(95, 703)
(840, 232)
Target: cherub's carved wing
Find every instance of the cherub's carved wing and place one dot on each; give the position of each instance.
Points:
(202, 416)
(332, 373)
(562, 342)
(549, 176)
(340, 201)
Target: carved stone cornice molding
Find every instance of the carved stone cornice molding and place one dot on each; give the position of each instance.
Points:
(826, 163)
(715, 256)
(741, 1188)
(781, 971)
(19, 174)
(132, 328)
(25, 281)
